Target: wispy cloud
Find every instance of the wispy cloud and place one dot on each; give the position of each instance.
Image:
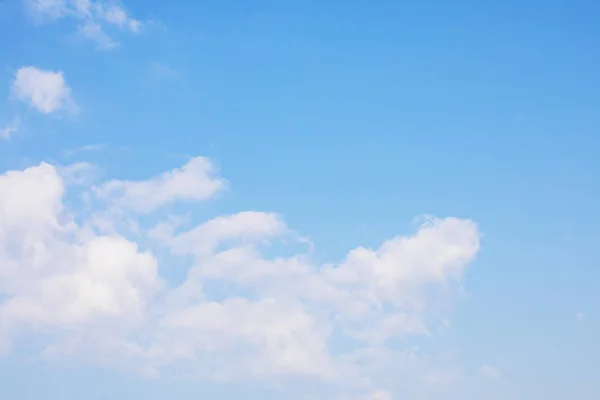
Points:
(488, 371)
(95, 33)
(10, 128)
(88, 148)
(164, 70)
(93, 18)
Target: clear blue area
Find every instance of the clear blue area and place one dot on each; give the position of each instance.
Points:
(350, 118)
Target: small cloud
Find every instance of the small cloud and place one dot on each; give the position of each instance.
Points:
(44, 90)
(489, 372)
(580, 316)
(10, 128)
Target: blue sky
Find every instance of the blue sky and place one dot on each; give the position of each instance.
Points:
(333, 126)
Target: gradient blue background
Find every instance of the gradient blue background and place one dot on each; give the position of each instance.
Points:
(351, 118)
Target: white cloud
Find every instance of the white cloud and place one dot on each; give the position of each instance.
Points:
(10, 128)
(244, 225)
(580, 316)
(56, 275)
(248, 338)
(44, 90)
(240, 313)
(92, 16)
(489, 372)
(195, 181)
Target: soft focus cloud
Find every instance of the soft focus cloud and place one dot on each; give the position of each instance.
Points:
(489, 372)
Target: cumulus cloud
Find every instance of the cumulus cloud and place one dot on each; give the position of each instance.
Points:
(10, 128)
(92, 16)
(241, 313)
(44, 90)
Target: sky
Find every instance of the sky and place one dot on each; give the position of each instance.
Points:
(299, 199)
